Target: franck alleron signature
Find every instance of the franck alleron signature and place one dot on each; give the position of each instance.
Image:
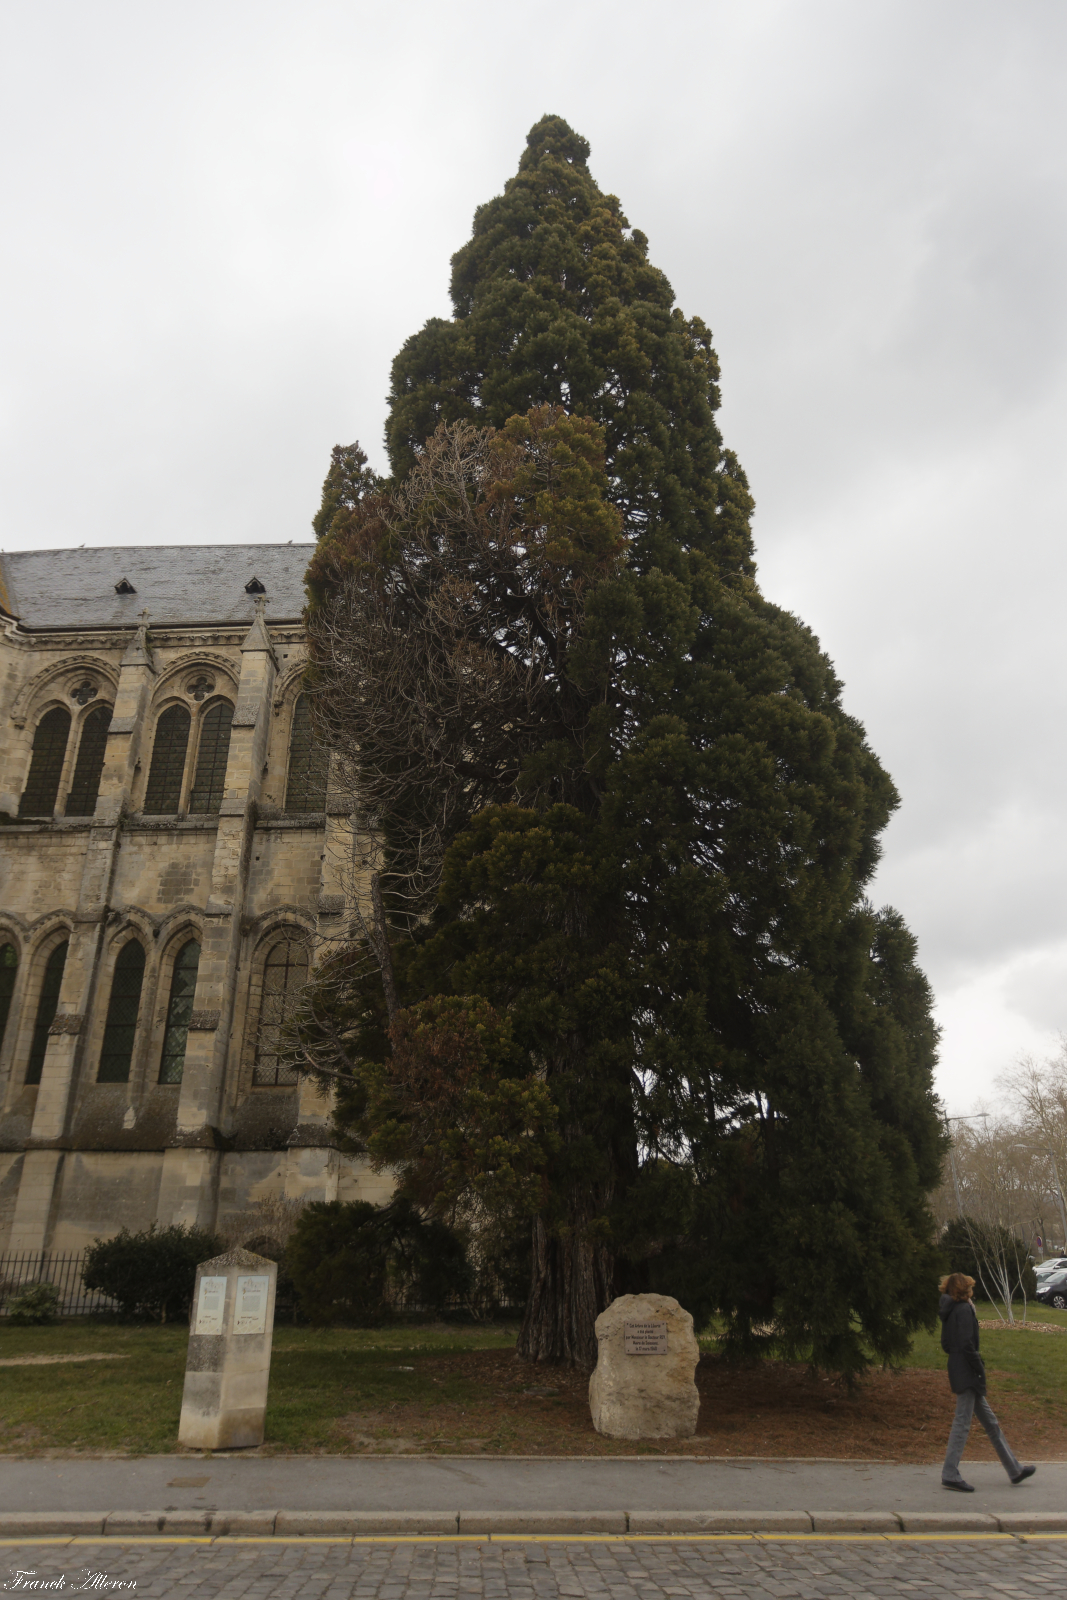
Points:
(26, 1578)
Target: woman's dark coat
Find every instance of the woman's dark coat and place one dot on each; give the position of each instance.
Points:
(959, 1339)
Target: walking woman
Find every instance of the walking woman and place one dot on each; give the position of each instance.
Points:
(966, 1374)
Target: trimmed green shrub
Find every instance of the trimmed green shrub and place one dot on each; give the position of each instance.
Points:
(150, 1274)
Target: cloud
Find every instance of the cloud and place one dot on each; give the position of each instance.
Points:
(220, 228)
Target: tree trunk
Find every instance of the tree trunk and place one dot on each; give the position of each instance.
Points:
(383, 950)
(571, 1283)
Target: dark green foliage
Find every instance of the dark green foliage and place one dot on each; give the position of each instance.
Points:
(347, 481)
(34, 1305)
(557, 303)
(980, 1249)
(667, 902)
(150, 1274)
(356, 1263)
(501, 1261)
(456, 1109)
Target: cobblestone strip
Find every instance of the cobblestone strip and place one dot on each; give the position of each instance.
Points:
(609, 1570)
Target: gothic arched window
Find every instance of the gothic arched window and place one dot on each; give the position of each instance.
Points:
(284, 976)
(46, 764)
(9, 967)
(81, 801)
(179, 1013)
(117, 1050)
(164, 791)
(309, 763)
(209, 785)
(47, 1001)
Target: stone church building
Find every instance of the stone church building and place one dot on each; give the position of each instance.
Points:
(171, 856)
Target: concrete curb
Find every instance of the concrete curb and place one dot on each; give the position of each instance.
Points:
(683, 1522)
(515, 1524)
(950, 1522)
(507, 1523)
(34, 1524)
(1033, 1522)
(855, 1522)
(364, 1524)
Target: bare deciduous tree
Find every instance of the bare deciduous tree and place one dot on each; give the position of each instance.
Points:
(1002, 1178)
(991, 1195)
(1037, 1092)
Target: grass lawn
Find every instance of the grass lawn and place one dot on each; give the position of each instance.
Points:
(460, 1390)
(1021, 1362)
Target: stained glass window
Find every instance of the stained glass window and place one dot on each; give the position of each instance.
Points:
(179, 1012)
(9, 966)
(46, 764)
(81, 801)
(284, 976)
(47, 1001)
(165, 775)
(308, 764)
(209, 785)
(121, 1026)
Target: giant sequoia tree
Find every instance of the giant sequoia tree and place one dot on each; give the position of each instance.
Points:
(633, 988)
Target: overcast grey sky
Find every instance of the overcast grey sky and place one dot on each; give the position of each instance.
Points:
(221, 220)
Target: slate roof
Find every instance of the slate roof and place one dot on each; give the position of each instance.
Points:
(191, 583)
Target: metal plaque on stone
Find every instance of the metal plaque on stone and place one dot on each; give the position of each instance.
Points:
(645, 1338)
(210, 1305)
(250, 1313)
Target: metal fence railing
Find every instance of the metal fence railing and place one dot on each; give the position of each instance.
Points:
(458, 1307)
(18, 1272)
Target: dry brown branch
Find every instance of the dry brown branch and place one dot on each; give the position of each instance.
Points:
(440, 651)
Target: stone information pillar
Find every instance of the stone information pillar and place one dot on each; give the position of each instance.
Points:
(224, 1402)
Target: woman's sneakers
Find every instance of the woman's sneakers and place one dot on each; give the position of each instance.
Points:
(1024, 1472)
(964, 1488)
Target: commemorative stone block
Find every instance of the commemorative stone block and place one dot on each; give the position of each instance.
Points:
(224, 1401)
(643, 1386)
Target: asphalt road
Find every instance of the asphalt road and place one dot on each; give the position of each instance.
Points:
(452, 1483)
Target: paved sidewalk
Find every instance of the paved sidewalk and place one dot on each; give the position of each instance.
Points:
(607, 1571)
(452, 1484)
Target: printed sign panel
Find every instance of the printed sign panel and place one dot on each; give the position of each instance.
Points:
(250, 1315)
(645, 1338)
(210, 1306)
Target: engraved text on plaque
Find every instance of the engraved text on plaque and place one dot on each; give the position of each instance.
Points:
(645, 1338)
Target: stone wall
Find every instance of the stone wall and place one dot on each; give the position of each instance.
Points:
(80, 1158)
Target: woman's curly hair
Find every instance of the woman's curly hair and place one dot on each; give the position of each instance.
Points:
(958, 1285)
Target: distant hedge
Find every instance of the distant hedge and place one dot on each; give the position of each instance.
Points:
(153, 1273)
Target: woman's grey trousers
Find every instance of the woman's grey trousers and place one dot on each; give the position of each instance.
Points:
(968, 1404)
